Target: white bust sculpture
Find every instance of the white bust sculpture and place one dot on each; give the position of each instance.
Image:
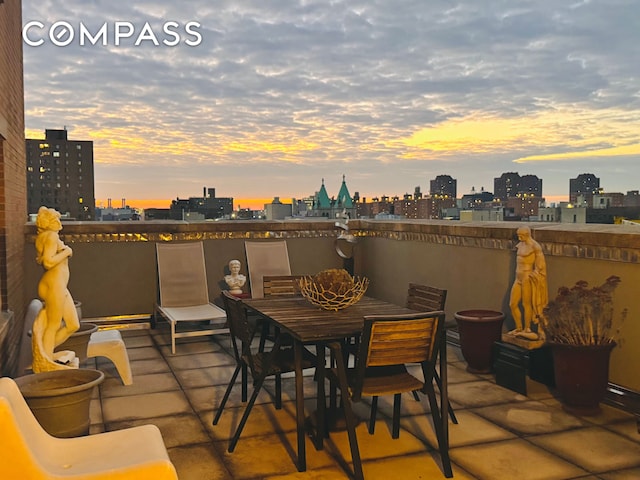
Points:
(235, 280)
(59, 318)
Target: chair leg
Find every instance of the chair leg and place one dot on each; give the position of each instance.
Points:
(278, 392)
(397, 399)
(443, 444)
(349, 416)
(245, 416)
(226, 394)
(372, 415)
(263, 335)
(244, 383)
(452, 414)
(173, 337)
(416, 397)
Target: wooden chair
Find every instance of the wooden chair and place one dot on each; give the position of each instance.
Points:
(277, 286)
(388, 343)
(184, 294)
(261, 364)
(28, 451)
(280, 285)
(424, 298)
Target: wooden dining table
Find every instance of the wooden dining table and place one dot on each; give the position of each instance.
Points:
(308, 324)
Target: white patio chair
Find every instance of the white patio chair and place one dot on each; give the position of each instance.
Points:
(28, 451)
(184, 293)
(265, 258)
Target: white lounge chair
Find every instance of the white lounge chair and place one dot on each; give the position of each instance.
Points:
(184, 294)
(265, 258)
(27, 451)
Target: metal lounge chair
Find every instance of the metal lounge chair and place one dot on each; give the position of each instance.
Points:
(265, 258)
(184, 293)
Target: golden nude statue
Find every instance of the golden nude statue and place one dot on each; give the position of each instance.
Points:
(59, 318)
(530, 286)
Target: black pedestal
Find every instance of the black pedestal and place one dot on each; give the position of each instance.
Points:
(512, 364)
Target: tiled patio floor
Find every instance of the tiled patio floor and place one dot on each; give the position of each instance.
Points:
(501, 435)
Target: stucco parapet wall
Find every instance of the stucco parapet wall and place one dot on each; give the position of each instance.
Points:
(619, 243)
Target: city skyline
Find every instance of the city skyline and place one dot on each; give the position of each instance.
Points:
(277, 97)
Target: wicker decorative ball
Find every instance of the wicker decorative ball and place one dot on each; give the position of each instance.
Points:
(333, 289)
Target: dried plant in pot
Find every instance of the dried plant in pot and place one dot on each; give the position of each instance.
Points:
(581, 327)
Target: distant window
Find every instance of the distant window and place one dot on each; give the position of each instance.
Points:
(56, 154)
(78, 147)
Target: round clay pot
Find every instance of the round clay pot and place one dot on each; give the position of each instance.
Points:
(79, 340)
(582, 375)
(479, 330)
(60, 399)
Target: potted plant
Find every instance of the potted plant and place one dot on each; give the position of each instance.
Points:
(579, 326)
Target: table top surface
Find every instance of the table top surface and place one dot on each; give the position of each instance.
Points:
(308, 323)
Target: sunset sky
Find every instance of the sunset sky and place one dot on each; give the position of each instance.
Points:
(267, 98)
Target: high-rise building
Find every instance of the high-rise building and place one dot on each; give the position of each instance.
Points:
(60, 175)
(506, 186)
(511, 185)
(444, 186)
(530, 185)
(585, 186)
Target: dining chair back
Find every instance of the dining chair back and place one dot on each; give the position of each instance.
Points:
(280, 285)
(425, 298)
(183, 291)
(390, 342)
(387, 344)
(265, 258)
(277, 286)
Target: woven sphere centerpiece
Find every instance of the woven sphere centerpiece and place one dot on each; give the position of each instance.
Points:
(333, 289)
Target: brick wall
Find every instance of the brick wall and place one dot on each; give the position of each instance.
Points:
(13, 199)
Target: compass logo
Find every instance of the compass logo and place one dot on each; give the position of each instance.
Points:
(62, 33)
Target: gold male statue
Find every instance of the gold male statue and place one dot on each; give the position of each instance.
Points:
(530, 286)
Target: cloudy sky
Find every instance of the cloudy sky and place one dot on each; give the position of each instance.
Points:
(263, 98)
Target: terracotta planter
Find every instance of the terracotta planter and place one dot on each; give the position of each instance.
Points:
(79, 340)
(60, 399)
(479, 330)
(582, 375)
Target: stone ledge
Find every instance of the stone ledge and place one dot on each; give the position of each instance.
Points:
(617, 243)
